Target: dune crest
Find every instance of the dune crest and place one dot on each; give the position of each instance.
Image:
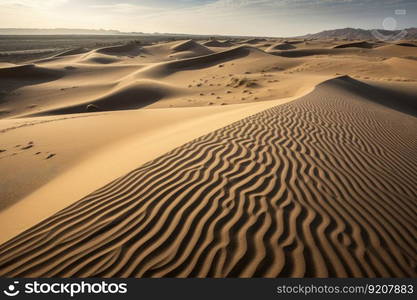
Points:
(75, 51)
(189, 48)
(281, 46)
(167, 68)
(216, 43)
(126, 50)
(29, 71)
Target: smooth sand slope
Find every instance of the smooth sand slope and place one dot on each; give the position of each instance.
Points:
(321, 186)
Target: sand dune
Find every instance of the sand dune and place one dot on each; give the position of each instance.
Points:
(187, 45)
(189, 48)
(216, 207)
(166, 68)
(125, 50)
(72, 52)
(98, 79)
(361, 44)
(96, 58)
(6, 65)
(292, 158)
(133, 95)
(406, 44)
(281, 46)
(294, 42)
(59, 84)
(393, 50)
(216, 43)
(302, 52)
(253, 41)
(121, 139)
(29, 71)
(383, 95)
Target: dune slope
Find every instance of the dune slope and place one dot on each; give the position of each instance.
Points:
(321, 186)
(132, 95)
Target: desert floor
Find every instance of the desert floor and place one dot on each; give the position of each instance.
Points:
(237, 158)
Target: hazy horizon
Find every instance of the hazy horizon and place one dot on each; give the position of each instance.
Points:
(208, 17)
(102, 31)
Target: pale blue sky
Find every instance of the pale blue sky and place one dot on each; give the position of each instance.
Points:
(239, 17)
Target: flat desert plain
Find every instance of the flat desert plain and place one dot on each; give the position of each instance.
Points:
(215, 158)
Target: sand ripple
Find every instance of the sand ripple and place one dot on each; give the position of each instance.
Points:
(322, 186)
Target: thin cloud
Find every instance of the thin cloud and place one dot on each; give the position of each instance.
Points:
(242, 17)
(125, 8)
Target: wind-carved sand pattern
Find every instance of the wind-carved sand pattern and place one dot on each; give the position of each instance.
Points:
(321, 186)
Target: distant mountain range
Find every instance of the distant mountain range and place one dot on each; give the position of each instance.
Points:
(364, 34)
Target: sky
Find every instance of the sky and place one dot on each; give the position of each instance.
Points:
(226, 17)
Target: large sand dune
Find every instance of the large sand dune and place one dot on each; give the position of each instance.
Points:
(321, 186)
(185, 159)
